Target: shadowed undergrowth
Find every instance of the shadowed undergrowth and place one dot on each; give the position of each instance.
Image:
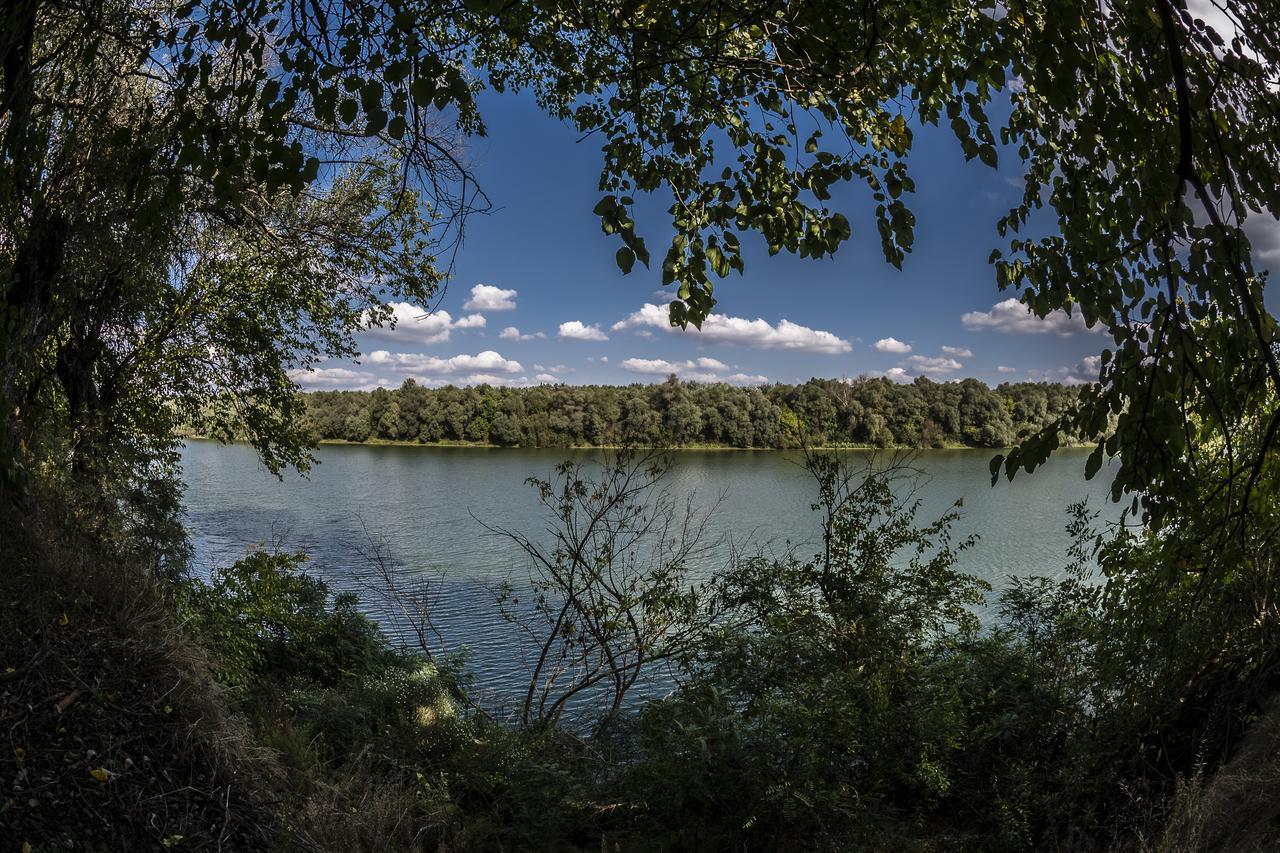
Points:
(116, 738)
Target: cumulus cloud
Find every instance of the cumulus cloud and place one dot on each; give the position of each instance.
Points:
(1083, 373)
(719, 328)
(1004, 369)
(429, 365)
(958, 352)
(659, 366)
(414, 324)
(1012, 317)
(547, 379)
(692, 370)
(897, 374)
(486, 297)
(511, 333)
(647, 365)
(493, 379)
(1264, 238)
(575, 330)
(330, 377)
(1208, 11)
(891, 345)
(930, 366)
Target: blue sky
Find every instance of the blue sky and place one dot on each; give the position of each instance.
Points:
(539, 264)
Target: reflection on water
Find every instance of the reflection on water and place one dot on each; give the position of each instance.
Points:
(427, 504)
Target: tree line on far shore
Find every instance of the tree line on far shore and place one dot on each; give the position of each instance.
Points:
(865, 411)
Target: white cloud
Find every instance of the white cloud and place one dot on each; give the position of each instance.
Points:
(547, 378)
(430, 365)
(486, 297)
(648, 365)
(330, 377)
(1083, 373)
(1012, 317)
(511, 333)
(891, 345)
(1264, 237)
(658, 365)
(414, 324)
(492, 379)
(958, 352)
(1003, 369)
(1208, 11)
(693, 370)
(719, 328)
(574, 330)
(896, 374)
(933, 366)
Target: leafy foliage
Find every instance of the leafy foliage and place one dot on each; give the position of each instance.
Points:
(873, 412)
(826, 700)
(196, 198)
(263, 620)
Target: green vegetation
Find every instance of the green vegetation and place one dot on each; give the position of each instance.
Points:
(868, 412)
(843, 700)
(196, 198)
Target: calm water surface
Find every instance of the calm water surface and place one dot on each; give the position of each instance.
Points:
(427, 503)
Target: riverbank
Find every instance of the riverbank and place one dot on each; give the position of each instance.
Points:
(481, 445)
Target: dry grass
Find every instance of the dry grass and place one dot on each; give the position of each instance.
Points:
(114, 737)
(361, 812)
(1237, 809)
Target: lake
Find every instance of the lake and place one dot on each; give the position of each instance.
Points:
(427, 504)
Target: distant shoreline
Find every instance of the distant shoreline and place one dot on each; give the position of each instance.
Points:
(476, 445)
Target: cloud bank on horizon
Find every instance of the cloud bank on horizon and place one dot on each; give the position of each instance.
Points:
(394, 352)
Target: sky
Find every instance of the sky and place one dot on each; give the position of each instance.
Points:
(536, 296)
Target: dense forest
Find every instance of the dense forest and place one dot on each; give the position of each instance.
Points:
(828, 412)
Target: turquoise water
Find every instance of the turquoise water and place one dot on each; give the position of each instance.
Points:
(428, 504)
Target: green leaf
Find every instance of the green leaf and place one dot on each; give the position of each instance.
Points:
(626, 259)
(1094, 464)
